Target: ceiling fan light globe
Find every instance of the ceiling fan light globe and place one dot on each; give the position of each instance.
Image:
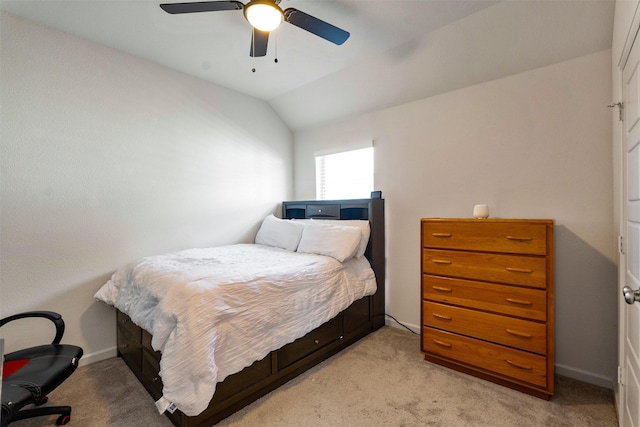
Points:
(264, 16)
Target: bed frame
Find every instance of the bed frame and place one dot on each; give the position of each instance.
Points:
(238, 390)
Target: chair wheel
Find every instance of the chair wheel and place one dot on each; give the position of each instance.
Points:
(42, 401)
(63, 420)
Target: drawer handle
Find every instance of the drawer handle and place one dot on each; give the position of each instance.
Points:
(517, 365)
(519, 270)
(441, 234)
(441, 316)
(441, 261)
(519, 301)
(316, 341)
(441, 289)
(442, 343)
(519, 334)
(519, 238)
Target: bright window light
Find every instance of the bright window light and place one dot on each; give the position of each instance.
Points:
(345, 175)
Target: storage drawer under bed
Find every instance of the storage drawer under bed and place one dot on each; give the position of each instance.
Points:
(151, 373)
(129, 341)
(129, 348)
(325, 334)
(134, 345)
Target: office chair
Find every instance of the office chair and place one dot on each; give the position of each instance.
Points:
(29, 375)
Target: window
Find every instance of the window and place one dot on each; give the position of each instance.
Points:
(345, 175)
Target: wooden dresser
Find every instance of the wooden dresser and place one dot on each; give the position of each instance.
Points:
(488, 300)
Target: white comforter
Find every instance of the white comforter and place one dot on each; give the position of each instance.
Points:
(214, 311)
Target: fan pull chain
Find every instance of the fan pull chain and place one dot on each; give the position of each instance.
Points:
(253, 49)
(276, 48)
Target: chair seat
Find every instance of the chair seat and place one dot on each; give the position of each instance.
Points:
(31, 374)
(47, 367)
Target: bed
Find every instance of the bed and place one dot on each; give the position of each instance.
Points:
(342, 314)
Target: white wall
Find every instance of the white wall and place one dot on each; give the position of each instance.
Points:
(531, 145)
(106, 158)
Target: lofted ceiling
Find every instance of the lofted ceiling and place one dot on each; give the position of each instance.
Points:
(399, 50)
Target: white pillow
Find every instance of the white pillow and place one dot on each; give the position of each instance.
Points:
(279, 233)
(337, 241)
(363, 224)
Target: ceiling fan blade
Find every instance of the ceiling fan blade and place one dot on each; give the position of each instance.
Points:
(201, 6)
(316, 26)
(259, 41)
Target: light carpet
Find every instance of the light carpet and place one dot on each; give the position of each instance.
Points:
(382, 380)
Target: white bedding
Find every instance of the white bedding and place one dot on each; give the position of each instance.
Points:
(214, 311)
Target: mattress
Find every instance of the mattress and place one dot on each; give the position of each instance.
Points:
(214, 311)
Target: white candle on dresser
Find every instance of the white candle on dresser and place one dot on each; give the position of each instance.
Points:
(481, 211)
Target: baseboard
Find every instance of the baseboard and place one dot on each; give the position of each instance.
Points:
(89, 358)
(584, 376)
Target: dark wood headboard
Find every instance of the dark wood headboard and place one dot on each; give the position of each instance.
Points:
(371, 209)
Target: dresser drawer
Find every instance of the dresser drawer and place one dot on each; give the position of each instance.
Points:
(489, 236)
(504, 299)
(518, 333)
(505, 361)
(509, 269)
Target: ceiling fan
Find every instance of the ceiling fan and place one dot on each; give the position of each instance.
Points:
(264, 16)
